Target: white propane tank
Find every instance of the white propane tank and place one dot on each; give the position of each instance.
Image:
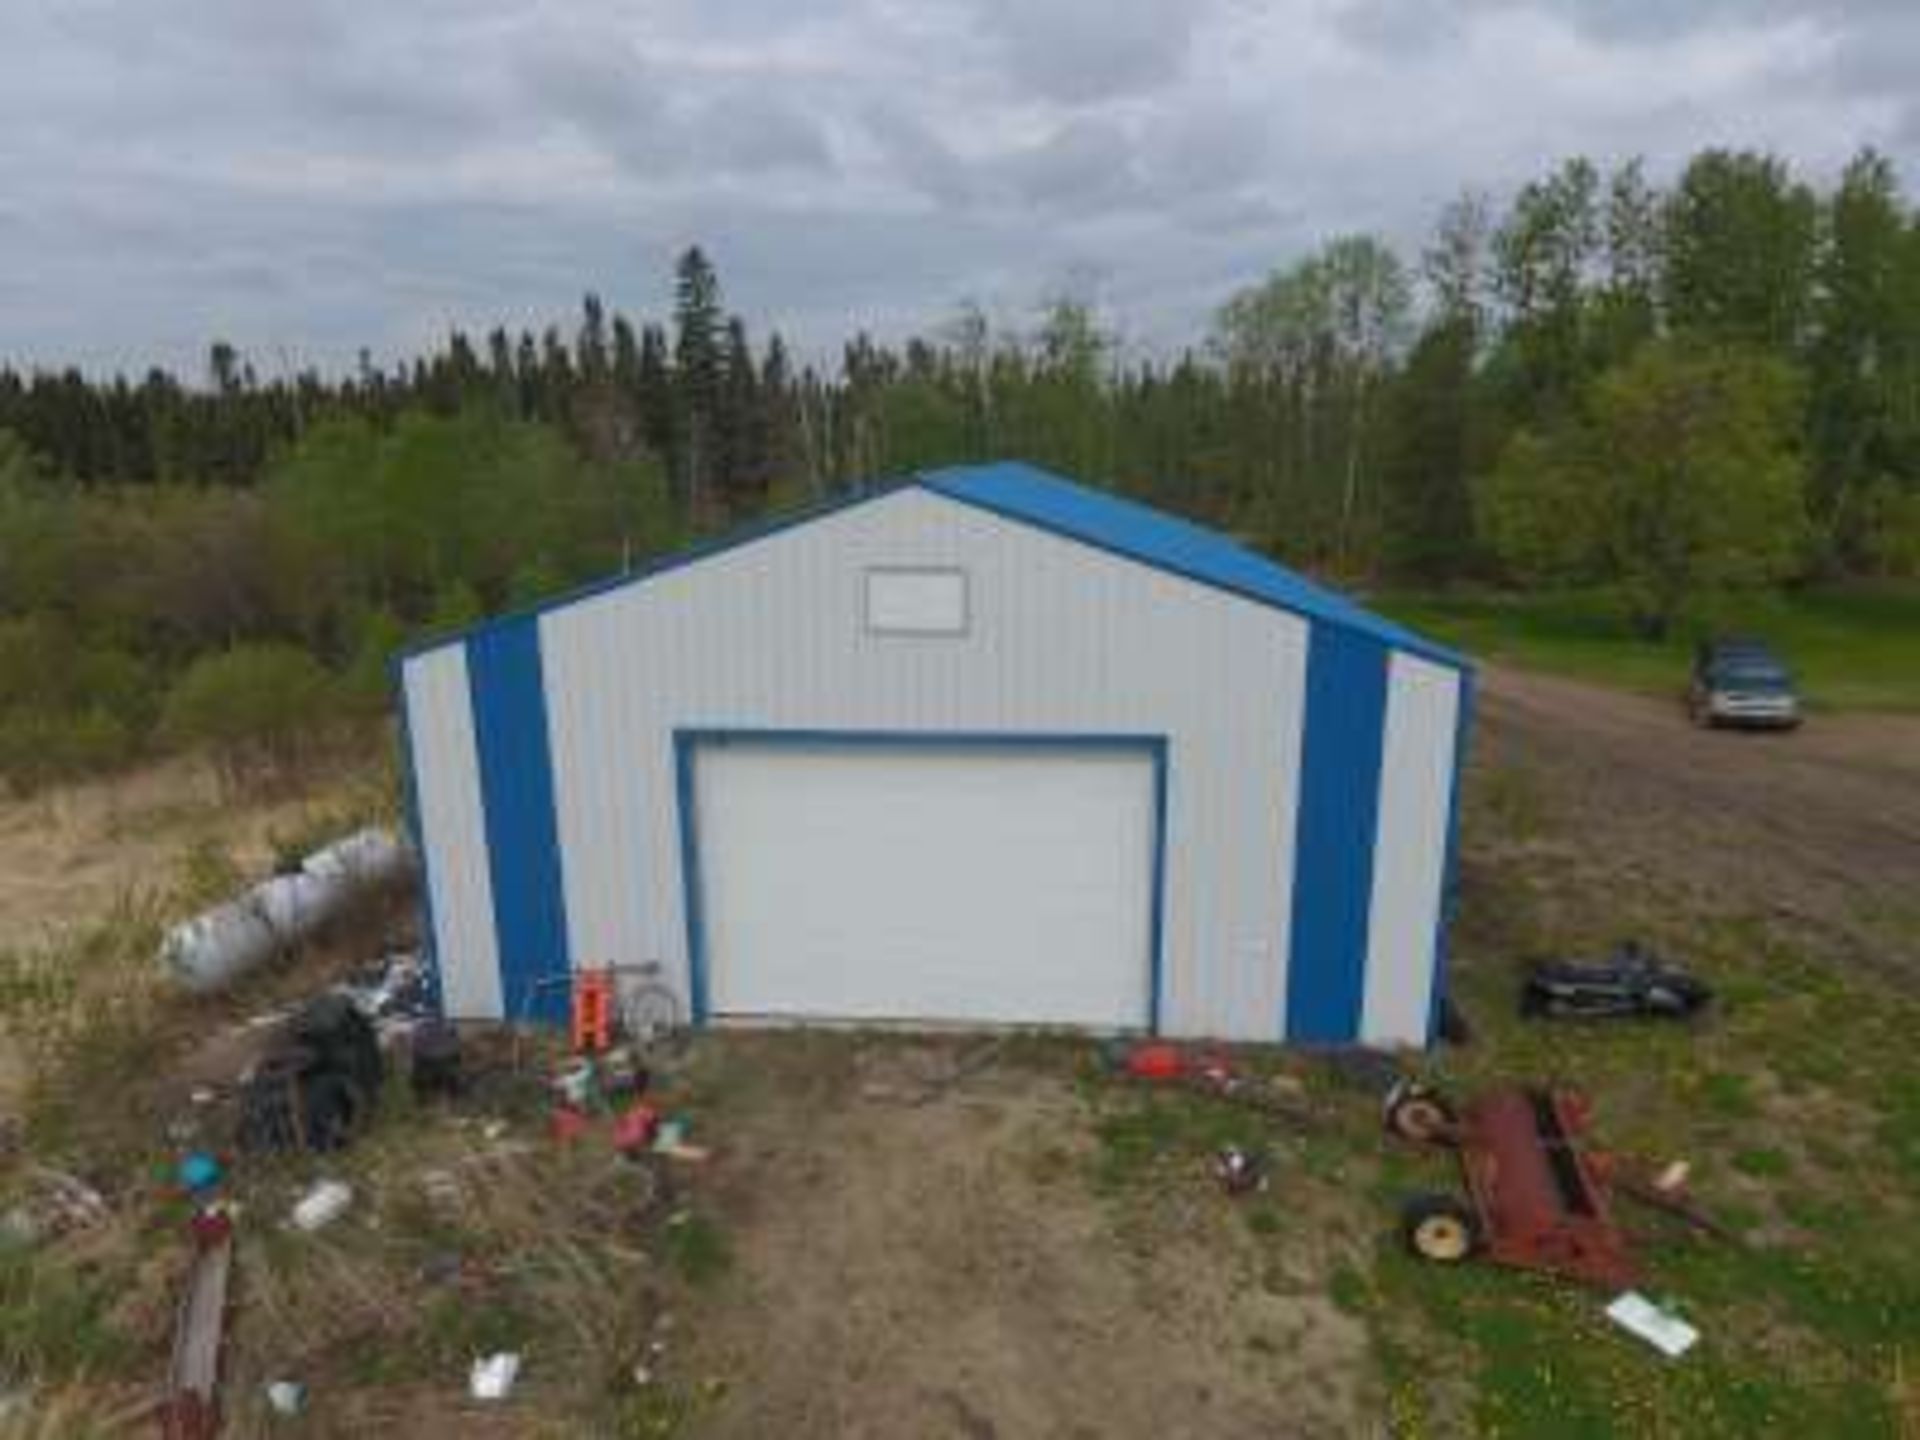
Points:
(208, 951)
(213, 949)
(366, 858)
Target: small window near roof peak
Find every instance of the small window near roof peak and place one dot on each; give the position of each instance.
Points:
(916, 601)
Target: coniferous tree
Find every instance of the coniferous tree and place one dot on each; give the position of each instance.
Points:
(698, 326)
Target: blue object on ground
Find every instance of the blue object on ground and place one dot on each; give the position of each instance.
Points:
(199, 1171)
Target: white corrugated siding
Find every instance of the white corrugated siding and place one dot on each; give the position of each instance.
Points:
(453, 831)
(1409, 853)
(1062, 638)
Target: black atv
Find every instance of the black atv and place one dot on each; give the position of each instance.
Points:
(1631, 982)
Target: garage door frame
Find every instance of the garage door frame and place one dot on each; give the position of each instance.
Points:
(688, 742)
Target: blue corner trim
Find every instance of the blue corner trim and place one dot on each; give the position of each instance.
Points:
(516, 789)
(1162, 759)
(1449, 873)
(410, 799)
(1339, 809)
(692, 891)
(688, 742)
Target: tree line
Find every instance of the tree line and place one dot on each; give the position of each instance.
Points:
(1669, 391)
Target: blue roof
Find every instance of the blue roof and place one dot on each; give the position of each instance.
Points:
(1050, 502)
(1125, 527)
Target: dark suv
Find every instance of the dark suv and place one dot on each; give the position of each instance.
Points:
(1738, 680)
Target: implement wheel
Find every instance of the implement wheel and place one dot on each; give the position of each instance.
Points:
(1413, 1112)
(1440, 1228)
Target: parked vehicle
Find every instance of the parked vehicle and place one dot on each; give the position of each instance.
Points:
(1739, 680)
(1630, 982)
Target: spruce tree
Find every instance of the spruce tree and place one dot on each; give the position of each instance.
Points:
(698, 374)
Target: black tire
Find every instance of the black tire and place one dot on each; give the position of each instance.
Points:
(1413, 1112)
(1441, 1229)
(336, 1109)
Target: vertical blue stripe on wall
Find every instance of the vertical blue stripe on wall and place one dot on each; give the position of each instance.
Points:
(1339, 807)
(516, 789)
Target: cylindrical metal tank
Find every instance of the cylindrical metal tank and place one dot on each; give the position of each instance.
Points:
(213, 949)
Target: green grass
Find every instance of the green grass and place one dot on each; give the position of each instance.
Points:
(1853, 648)
(697, 1248)
(1795, 1103)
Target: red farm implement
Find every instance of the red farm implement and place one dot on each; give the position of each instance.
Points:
(1539, 1196)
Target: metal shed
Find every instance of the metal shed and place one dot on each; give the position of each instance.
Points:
(982, 746)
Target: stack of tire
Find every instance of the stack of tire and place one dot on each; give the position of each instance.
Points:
(318, 1083)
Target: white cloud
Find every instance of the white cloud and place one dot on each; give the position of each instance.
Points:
(321, 177)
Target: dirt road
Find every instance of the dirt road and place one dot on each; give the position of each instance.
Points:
(1822, 824)
(943, 1269)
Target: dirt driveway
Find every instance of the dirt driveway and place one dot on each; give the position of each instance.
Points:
(1821, 825)
(950, 1268)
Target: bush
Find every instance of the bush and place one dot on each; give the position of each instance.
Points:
(40, 746)
(257, 709)
(378, 636)
(455, 608)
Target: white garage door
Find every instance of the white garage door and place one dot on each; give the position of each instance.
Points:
(881, 881)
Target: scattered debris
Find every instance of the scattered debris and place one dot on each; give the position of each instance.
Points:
(1213, 1073)
(622, 1076)
(322, 1205)
(1631, 982)
(198, 1172)
(493, 1376)
(57, 1204)
(1154, 1062)
(1667, 1192)
(396, 987)
(1374, 1072)
(575, 1084)
(636, 1129)
(191, 1410)
(1662, 1329)
(673, 1133)
(318, 1082)
(1239, 1171)
(434, 1061)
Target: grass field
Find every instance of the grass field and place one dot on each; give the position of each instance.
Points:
(1856, 648)
(1795, 1106)
(1062, 1222)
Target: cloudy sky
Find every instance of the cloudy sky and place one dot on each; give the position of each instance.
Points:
(305, 179)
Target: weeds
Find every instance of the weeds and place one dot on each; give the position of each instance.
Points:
(697, 1248)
